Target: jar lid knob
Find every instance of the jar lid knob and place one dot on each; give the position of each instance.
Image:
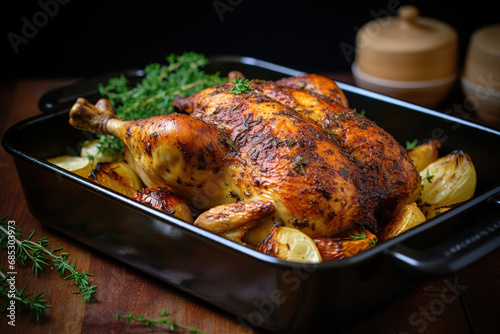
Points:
(409, 15)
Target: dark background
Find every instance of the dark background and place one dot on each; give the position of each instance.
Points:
(88, 38)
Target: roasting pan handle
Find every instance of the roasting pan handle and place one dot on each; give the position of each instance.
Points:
(460, 250)
(64, 97)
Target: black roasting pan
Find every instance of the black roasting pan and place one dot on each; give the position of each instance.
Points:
(259, 290)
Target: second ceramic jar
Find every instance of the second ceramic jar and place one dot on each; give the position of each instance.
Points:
(406, 56)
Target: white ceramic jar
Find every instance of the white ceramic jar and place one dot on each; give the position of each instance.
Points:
(481, 76)
(406, 56)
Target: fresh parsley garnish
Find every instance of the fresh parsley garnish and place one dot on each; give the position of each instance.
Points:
(182, 75)
(109, 145)
(362, 112)
(428, 176)
(162, 320)
(358, 236)
(411, 145)
(241, 85)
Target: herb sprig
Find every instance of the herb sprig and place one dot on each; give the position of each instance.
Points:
(182, 76)
(358, 236)
(241, 85)
(362, 236)
(428, 177)
(40, 255)
(35, 304)
(410, 145)
(152, 322)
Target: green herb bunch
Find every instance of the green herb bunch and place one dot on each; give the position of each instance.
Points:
(162, 320)
(39, 254)
(241, 85)
(362, 236)
(410, 145)
(35, 304)
(182, 76)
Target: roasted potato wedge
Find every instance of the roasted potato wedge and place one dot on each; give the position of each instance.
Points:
(431, 211)
(332, 249)
(290, 244)
(166, 200)
(75, 164)
(449, 180)
(424, 154)
(90, 150)
(407, 218)
(117, 176)
(237, 234)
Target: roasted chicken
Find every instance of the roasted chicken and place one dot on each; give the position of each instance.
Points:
(289, 151)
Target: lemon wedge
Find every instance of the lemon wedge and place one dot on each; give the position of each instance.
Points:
(91, 149)
(450, 179)
(117, 176)
(289, 244)
(77, 165)
(406, 219)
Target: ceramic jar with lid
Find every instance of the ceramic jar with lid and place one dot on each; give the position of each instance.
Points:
(481, 76)
(407, 56)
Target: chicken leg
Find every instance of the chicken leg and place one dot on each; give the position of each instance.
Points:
(163, 152)
(181, 153)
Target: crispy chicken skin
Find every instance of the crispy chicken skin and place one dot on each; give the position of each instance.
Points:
(164, 199)
(282, 156)
(385, 163)
(317, 85)
(288, 151)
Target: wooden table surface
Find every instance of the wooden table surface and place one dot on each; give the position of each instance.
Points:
(122, 288)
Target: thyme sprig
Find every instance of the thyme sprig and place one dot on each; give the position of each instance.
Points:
(428, 177)
(358, 236)
(182, 75)
(153, 322)
(410, 145)
(35, 304)
(40, 255)
(241, 85)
